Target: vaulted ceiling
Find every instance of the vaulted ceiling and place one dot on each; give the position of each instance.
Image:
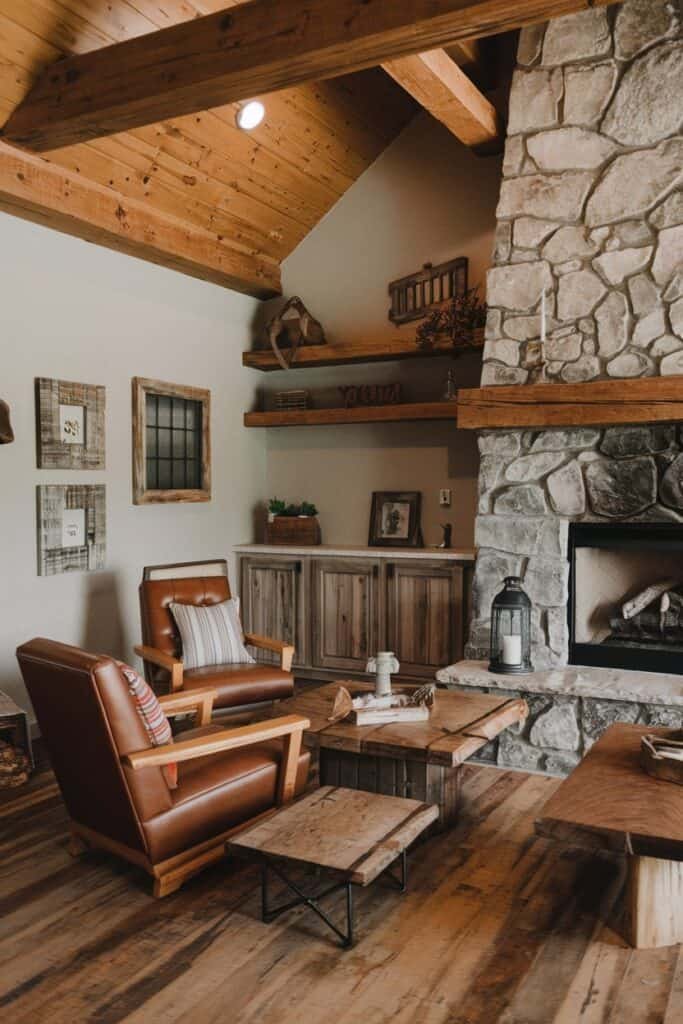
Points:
(258, 193)
(194, 192)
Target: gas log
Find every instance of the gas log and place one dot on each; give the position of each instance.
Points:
(654, 615)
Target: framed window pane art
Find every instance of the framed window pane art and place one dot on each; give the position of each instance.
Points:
(70, 424)
(71, 528)
(171, 442)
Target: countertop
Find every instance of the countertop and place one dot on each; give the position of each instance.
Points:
(348, 551)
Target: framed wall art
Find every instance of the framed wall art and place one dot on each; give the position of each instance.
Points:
(395, 519)
(70, 425)
(171, 442)
(71, 528)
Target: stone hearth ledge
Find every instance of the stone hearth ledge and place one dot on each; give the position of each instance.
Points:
(573, 681)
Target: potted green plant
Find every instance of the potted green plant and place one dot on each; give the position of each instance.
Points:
(293, 523)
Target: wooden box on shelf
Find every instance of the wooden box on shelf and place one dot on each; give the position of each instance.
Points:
(293, 530)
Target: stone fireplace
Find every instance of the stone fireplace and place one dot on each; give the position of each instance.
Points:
(591, 214)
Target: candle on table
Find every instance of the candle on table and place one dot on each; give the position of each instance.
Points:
(512, 650)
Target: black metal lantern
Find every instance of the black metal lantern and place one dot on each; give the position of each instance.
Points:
(511, 629)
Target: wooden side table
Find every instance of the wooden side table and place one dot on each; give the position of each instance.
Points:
(353, 836)
(608, 802)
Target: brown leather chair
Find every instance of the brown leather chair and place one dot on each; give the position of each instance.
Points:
(111, 778)
(203, 583)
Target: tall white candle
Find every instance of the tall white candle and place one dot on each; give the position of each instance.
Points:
(512, 650)
(543, 316)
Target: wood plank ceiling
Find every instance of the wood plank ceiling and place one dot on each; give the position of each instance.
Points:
(256, 194)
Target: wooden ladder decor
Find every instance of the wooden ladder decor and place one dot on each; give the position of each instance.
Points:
(414, 296)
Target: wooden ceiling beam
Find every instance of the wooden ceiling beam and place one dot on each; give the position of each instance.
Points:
(248, 50)
(34, 189)
(438, 84)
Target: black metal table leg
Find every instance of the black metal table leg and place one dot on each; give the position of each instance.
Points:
(347, 938)
(269, 914)
(401, 882)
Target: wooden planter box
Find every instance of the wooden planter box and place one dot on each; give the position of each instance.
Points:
(293, 530)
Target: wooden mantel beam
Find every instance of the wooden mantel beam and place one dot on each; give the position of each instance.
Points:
(248, 50)
(34, 189)
(438, 84)
(599, 403)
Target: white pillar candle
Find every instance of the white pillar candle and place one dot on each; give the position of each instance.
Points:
(512, 650)
(543, 316)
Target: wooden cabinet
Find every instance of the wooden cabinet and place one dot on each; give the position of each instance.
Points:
(273, 593)
(338, 610)
(424, 614)
(344, 612)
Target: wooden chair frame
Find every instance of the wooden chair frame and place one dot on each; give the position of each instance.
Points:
(170, 874)
(175, 665)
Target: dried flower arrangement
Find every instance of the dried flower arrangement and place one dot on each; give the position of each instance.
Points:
(457, 321)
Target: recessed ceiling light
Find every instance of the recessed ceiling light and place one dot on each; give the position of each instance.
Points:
(250, 115)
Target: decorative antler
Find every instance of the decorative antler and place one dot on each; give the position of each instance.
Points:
(6, 432)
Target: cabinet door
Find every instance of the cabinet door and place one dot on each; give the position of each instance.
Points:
(345, 612)
(424, 604)
(273, 603)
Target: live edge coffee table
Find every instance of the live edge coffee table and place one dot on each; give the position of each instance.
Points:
(608, 802)
(419, 760)
(353, 836)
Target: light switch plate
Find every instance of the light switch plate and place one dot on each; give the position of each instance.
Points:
(445, 497)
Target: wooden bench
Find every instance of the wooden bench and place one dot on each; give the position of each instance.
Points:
(352, 835)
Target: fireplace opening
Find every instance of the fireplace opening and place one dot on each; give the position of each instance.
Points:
(626, 596)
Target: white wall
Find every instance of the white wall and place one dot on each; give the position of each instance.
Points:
(77, 312)
(426, 199)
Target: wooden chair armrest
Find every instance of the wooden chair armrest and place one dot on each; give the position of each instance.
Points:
(265, 643)
(167, 661)
(200, 700)
(217, 742)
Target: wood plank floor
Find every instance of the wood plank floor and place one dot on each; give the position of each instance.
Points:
(497, 926)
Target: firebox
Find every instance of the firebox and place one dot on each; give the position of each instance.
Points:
(626, 596)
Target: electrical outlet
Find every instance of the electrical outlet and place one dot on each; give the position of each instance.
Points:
(445, 497)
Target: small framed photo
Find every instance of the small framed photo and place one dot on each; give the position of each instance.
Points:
(395, 519)
(71, 528)
(70, 424)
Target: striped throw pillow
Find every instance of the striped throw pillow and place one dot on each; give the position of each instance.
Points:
(211, 634)
(153, 718)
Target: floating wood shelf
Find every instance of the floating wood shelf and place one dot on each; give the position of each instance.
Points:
(311, 356)
(597, 404)
(367, 414)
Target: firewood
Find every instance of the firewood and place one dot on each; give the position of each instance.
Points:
(640, 602)
(14, 766)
